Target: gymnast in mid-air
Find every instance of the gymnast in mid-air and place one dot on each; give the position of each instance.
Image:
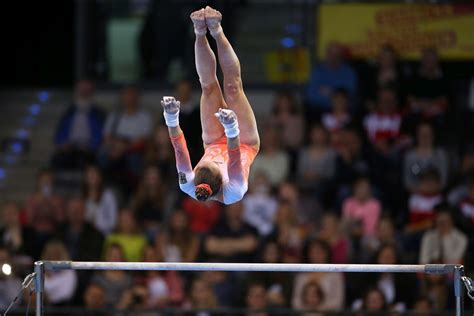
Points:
(229, 129)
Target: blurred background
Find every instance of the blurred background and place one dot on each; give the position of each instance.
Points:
(366, 116)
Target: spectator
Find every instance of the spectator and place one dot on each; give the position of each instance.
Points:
(128, 237)
(386, 234)
(44, 211)
(287, 118)
(101, 202)
(59, 286)
(423, 157)
(332, 74)
(202, 298)
(423, 306)
(312, 299)
(82, 240)
(114, 282)
(383, 125)
(374, 303)
(331, 233)
(149, 201)
(16, 238)
(316, 165)
(362, 211)
(159, 152)
(126, 131)
(177, 243)
(305, 207)
(202, 215)
(422, 202)
(94, 300)
(10, 285)
(232, 240)
(256, 300)
(272, 160)
(437, 288)
(445, 243)
(190, 119)
(79, 130)
(339, 117)
(223, 285)
(287, 233)
(332, 284)
(260, 206)
(428, 96)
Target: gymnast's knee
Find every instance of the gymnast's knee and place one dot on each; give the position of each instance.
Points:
(209, 88)
(233, 88)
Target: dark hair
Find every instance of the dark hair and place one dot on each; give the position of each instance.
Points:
(204, 175)
(382, 295)
(430, 174)
(340, 91)
(319, 243)
(307, 286)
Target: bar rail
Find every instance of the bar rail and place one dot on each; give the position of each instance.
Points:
(456, 270)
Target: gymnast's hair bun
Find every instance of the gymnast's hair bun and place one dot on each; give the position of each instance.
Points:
(203, 191)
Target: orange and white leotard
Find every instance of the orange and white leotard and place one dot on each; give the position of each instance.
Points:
(233, 164)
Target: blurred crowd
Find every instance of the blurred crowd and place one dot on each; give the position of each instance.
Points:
(365, 166)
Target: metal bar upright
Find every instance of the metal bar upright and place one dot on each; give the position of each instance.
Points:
(39, 287)
(458, 289)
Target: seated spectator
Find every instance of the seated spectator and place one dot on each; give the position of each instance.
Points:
(59, 286)
(362, 210)
(312, 298)
(332, 284)
(79, 131)
(465, 220)
(177, 243)
(149, 201)
(10, 285)
(330, 75)
(316, 165)
(114, 282)
(339, 117)
(159, 152)
(16, 238)
(260, 206)
(383, 126)
(428, 96)
(44, 211)
(422, 202)
(128, 236)
(202, 215)
(82, 240)
(94, 300)
(351, 162)
(224, 286)
(232, 240)
(288, 234)
(272, 160)
(386, 234)
(101, 202)
(399, 290)
(202, 299)
(424, 156)
(438, 289)
(256, 300)
(190, 120)
(331, 233)
(423, 306)
(287, 118)
(305, 207)
(126, 131)
(373, 303)
(444, 243)
(385, 72)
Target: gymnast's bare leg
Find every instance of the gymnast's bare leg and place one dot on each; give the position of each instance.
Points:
(233, 88)
(211, 97)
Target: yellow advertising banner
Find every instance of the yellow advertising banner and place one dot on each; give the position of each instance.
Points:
(363, 28)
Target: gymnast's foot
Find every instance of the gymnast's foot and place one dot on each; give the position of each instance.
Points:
(213, 21)
(199, 20)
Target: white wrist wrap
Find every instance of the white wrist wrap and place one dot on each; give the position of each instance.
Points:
(171, 119)
(231, 130)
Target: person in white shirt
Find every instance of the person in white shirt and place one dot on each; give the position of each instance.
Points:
(444, 243)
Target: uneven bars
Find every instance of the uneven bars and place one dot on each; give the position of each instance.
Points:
(248, 267)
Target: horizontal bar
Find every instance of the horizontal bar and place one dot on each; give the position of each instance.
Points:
(249, 267)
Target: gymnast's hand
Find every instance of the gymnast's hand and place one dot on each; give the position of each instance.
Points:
(170, 105)
(228, 119)
(171, 111)
(225, 116)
